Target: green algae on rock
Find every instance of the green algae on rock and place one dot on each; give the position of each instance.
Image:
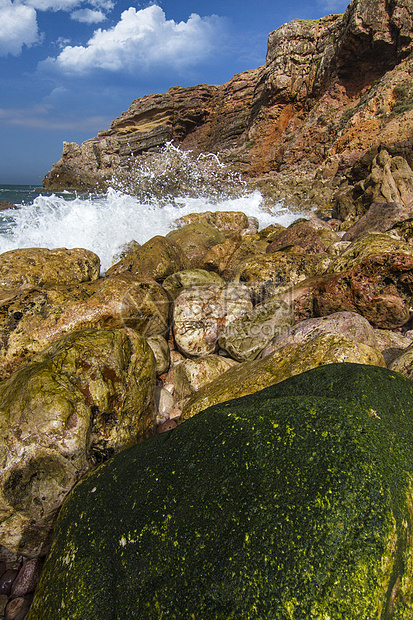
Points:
(30, 320)
(292, 503)
(85, 398)
(286, 361)
(44, 267)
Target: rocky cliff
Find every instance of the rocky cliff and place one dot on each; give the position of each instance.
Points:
(330, 91)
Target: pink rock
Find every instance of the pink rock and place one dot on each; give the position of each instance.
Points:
(169, 425)
(27, 578)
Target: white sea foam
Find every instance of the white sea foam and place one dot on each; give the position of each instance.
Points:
(105, 223)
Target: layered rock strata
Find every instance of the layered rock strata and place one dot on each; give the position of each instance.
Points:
(330, 90)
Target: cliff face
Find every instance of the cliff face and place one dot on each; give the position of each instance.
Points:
(330, 90)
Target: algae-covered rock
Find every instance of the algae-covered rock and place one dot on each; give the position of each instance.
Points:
(286, 361)
(86, 397)
(226, 221)
(292, 503)
(250, 246)
(219, 256)
(369, 245)
(45, 267)
(31, 320)
(195, 240)
(246, 336)
(281, 269)
(176, 282)
(156, 259)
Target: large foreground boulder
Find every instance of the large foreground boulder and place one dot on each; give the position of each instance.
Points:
(85, 398)
(287, 360)
(294, 502)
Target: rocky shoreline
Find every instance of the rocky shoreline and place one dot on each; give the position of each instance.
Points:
(215, 310)
(226, 354)
(331, 91)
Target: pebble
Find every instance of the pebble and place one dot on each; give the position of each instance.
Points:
(6, 581)
(169, 425)
(17, 608)
(18, 579)
(3, 602)
(164, 402)
(27, 578)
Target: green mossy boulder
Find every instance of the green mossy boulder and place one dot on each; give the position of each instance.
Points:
(286, 361)
(293, 503)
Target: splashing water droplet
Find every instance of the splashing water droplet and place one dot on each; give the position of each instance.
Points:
(143, 201)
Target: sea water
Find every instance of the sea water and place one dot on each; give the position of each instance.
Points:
(143, 202)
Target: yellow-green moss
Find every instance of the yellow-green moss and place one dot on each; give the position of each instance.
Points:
(293, 503)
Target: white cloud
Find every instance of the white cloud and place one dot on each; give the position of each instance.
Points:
(66, 5)
(106, 5)
(142, 39)
(62, 42)
(18, 27)
(88, 16)
(53, 5)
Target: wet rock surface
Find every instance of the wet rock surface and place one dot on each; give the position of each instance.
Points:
(199, 520)
(85, 398)
(18, 580)
(155, 260)
(286, 361)
(31, 319)
(204, 304)
(131, 356)
(201, 313)
(43, 267)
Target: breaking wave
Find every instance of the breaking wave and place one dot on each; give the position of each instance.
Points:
(143, 201)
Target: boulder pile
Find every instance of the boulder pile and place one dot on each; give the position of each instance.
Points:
(91, 365)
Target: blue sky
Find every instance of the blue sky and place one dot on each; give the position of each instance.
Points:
(69, 67)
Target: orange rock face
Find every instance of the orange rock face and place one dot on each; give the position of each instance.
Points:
(333, 87)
